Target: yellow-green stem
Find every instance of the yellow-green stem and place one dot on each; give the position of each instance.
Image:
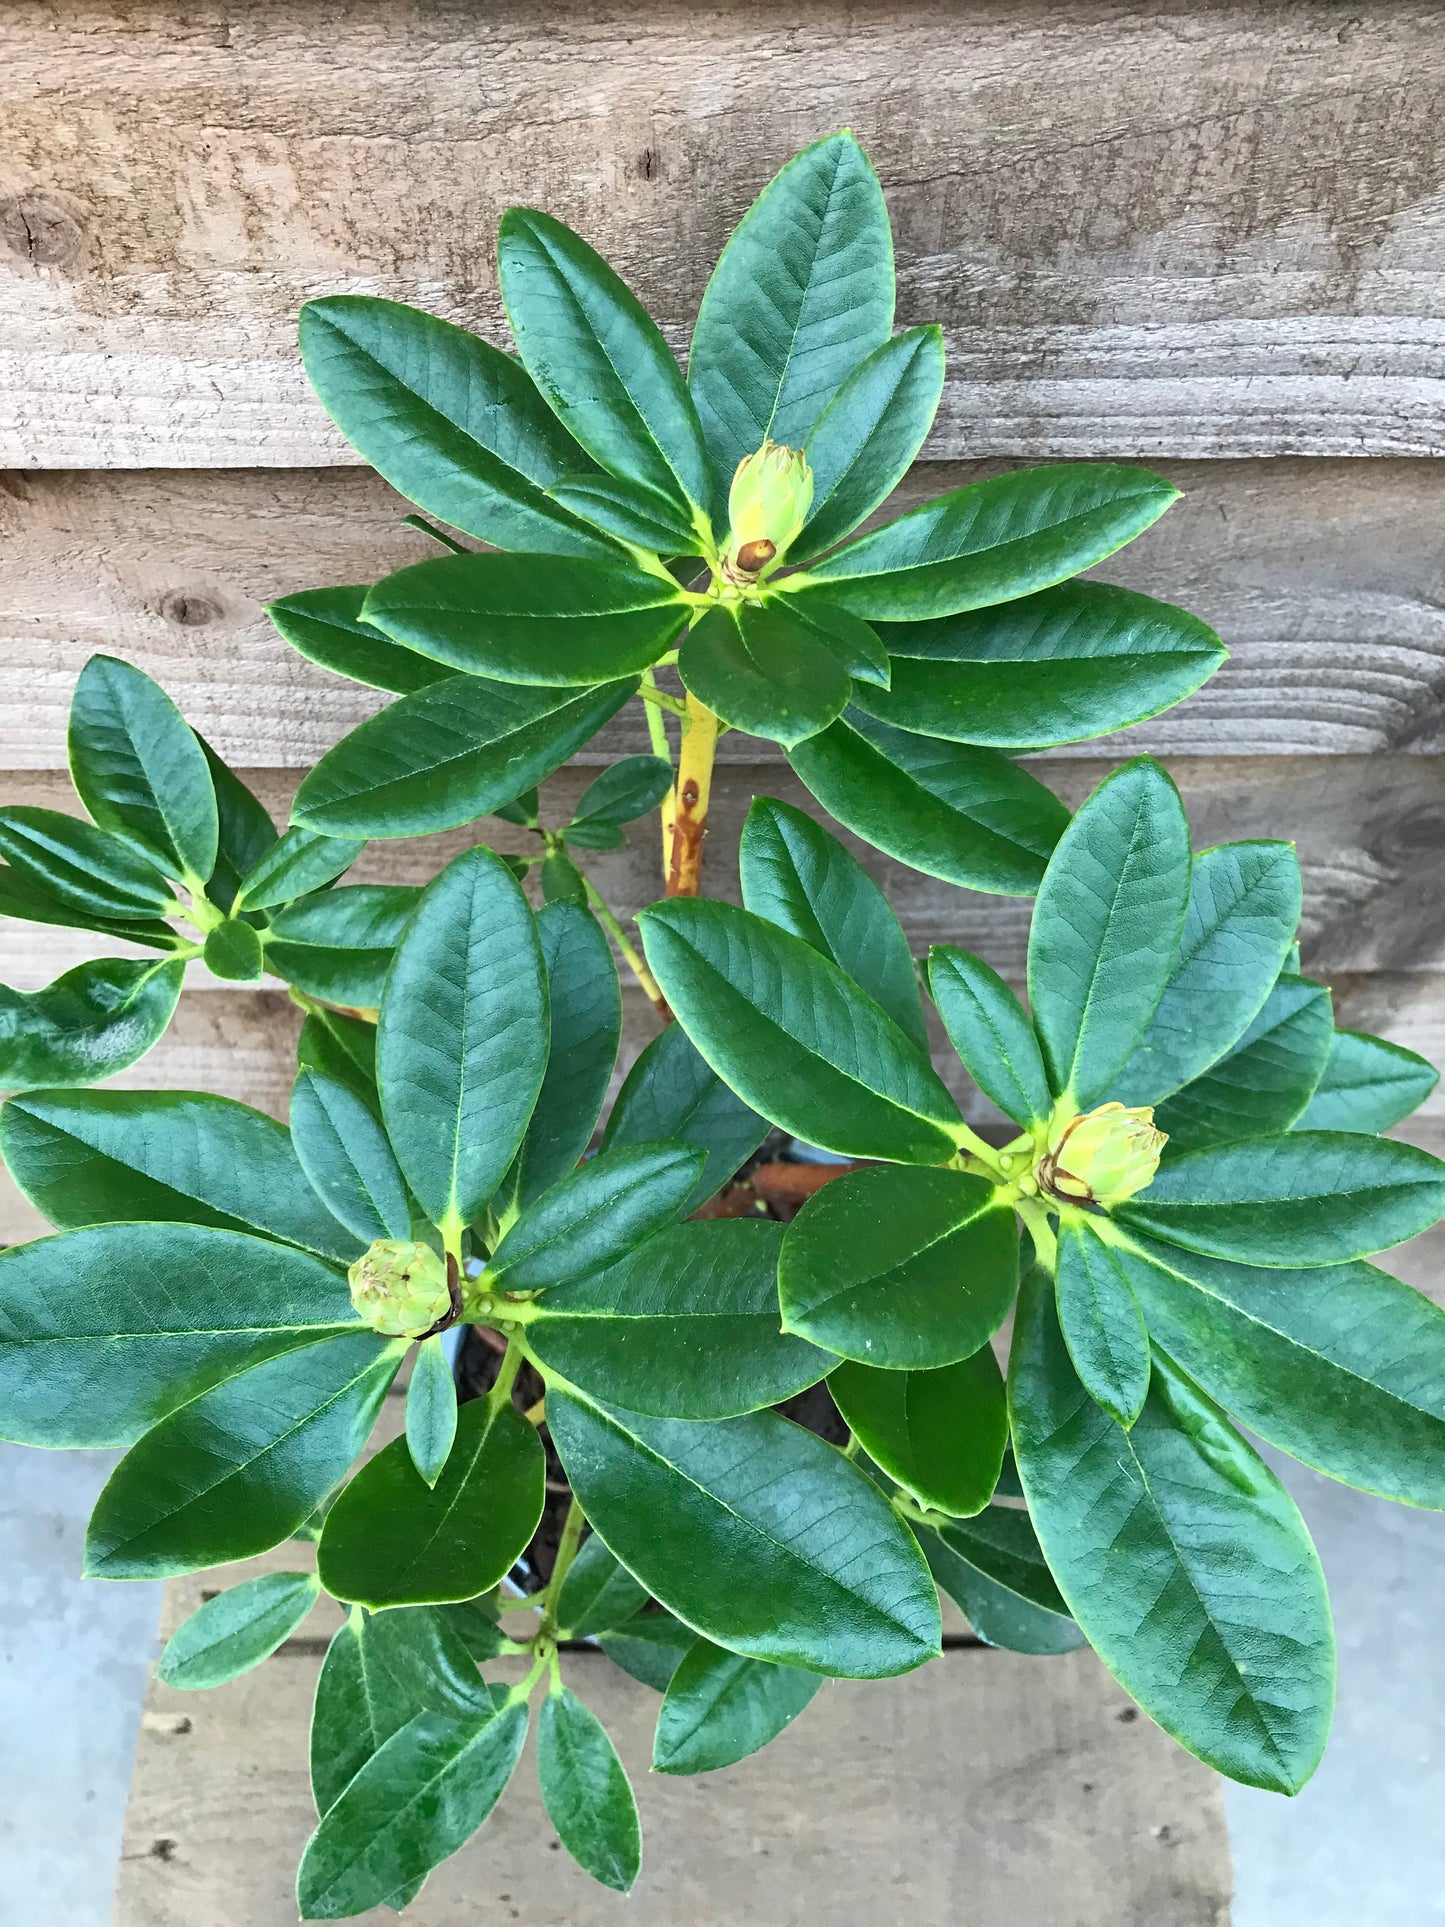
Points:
(631, 955)
(690, 800)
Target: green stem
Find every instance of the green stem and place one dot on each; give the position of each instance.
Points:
(972, 1143)
(501, 1391)
(1036, 1218)
(631, 955)
(655, 699)
(522, 1691)
(566, 1553)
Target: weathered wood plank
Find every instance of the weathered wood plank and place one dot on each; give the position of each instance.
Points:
(1190, 229)
(1322, 577)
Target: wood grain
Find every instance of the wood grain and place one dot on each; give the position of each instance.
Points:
(1185, 229)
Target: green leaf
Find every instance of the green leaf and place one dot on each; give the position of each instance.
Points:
(345, 1153)
(448, 754)
(599, 358)
(475, 1623)
(1102, 1324)
(325, 626)
(450, 421)
(586, 1792)
(623, 793)
(848, 637)
(802, 293)
(298, 863)
(863, 444)
(1181, 1556)
(594, 1216)
(90, 1023)
(96, 871)
(462, 1040)
(139, 769)
(1000, 1542)
(562, 881)
(391, 1540)
(431, 1410)
(939, 1433)
(720, 1708)
(1244, 905)
(233, 952)
(903, 1268)
(794, 1037)
(104, 1332)
(1302, 1198)
(1367, 1085)
(989, 1029)
(241, 1467)
(1070, 662)
(572, 622)
(761, 671)
(802, 879)
(586, 1005)
(969, 816)
(21, 897)
(414, 1803)
(649, 1648)
(1106, 927)
(992, 541)
(338, 944)
(105, 1157)
(237, 1629)
(343, 1049)
(1265, 1082)
(1342, 1368)
(685, 1327)
(673, 1092)
(246, 831)
(597, 1593)
(756, 1534)
(629, 511)
(998, 1611)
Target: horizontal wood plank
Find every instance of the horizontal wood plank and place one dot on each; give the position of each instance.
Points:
(1186, 230)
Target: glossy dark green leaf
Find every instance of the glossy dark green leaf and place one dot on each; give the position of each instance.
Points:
(1302, 1198)
(993, 541)
(1070, 662)
(848, 637)
(1244, 906)
(573, 622)
(794, 1037)
(476, 1623)
(1343, 1368)
(597, 1592)
(246, 831)
(1265, 1082)
(298, 863)
(901, 1268)
(237, 1629)
(720, 1708)
(685, 1327)
(233, 952)
(344, 1049)
(673, 1092)
(762, 672)
(1001, 1542)
(562, 881)
(338, 944)
(90, 1023)
(802, 879)
(345, 1153)
(241, 1467)
(599, 359)
(1106, 927)
(586, 1791)
(522, 810)
(586, 1005)
(462, 1041)
(449, 754)
(864, 442)
(391, 1540)
(967, 815)
(1181, 1556)
(98, 1342)
(449, 420)
(998, 1612)
(419, 1798)
(106, 875)
(1102, 1324)
(649, 1648)
(139, 769)
(21, 897)
(1367, 1085)
(990, 1030)
(802, 293)
(595, 1215)
(940, 1433)
(105, 1157)
(431, 1410)
(756, 1534)
(623, 793)
(325, 626)
(629, 511)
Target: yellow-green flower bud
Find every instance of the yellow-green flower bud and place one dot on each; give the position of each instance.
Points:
(400, 1288)
(1101, 1157)
(768, 504)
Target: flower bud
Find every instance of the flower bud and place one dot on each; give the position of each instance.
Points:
(768, 504)
(400, 1288)
(1103, 1156)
